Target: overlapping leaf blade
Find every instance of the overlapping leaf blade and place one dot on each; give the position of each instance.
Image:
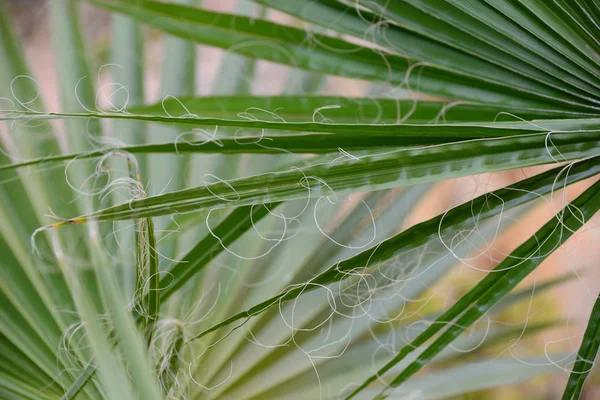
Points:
(484, 206)
(348, 59)
(497, 284)
(402, 167)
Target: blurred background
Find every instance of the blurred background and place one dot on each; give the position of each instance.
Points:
(570, 303)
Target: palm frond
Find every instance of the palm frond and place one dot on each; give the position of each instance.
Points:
(161, 238)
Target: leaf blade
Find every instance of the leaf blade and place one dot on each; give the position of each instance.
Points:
(510, 197)
(585, 357)
(397, 168)
(494, 286)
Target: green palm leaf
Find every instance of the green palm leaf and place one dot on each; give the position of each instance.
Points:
(168, 233)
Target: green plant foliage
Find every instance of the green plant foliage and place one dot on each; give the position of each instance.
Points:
(586, 356)
(239, 246)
